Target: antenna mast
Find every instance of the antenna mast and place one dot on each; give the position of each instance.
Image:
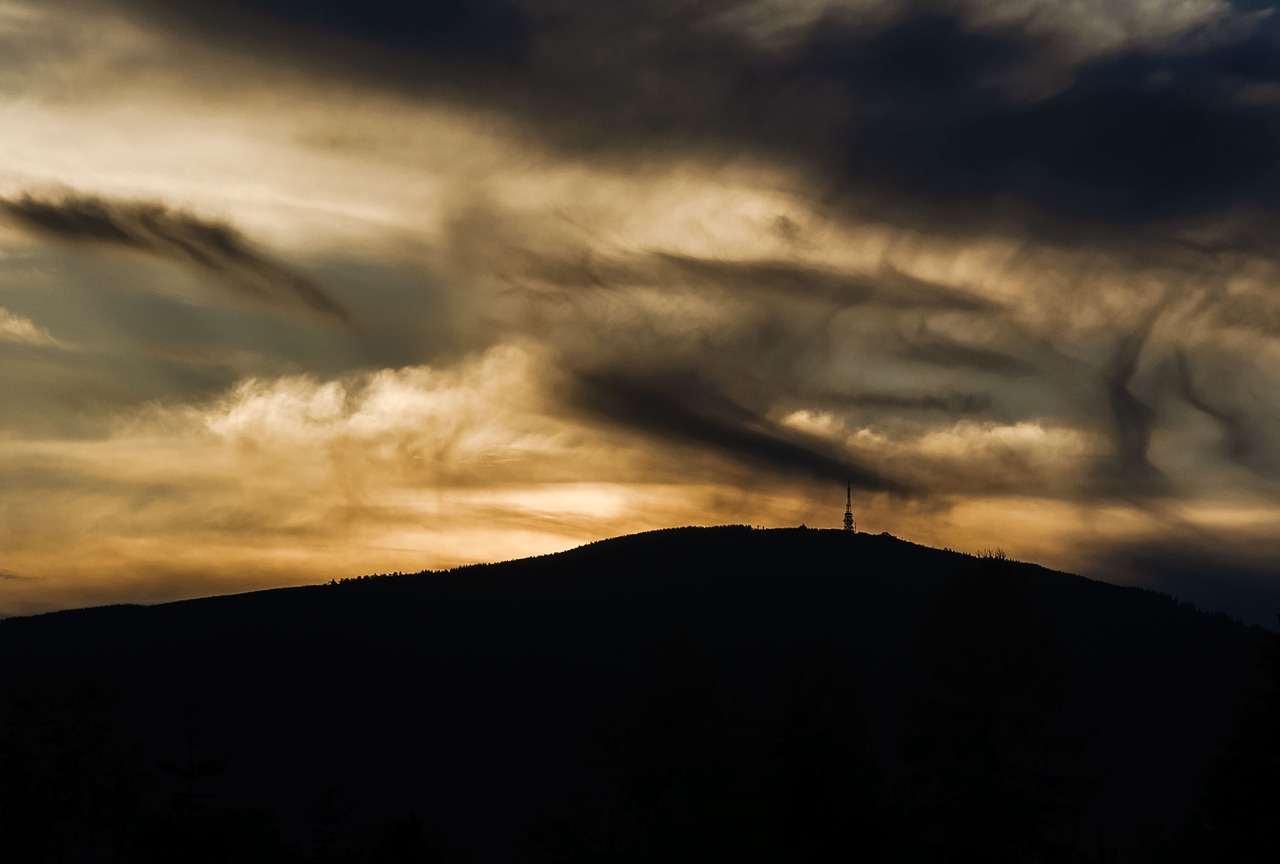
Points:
(848, 507)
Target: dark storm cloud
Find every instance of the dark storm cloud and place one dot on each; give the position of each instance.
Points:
(916, 114)
(356, 32)
(154, 229)
(1133, 139)
(683, 408)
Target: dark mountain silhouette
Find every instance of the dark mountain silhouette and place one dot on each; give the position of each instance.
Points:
(689, 694)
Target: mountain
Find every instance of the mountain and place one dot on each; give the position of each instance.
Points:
(659, 685)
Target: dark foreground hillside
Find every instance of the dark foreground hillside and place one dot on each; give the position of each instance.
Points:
(721, 694)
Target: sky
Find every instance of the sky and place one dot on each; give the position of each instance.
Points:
(293, 291)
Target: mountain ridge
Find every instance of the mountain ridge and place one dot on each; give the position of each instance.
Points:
(481, 569)
(469, 694)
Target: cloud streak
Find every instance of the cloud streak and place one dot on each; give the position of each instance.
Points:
(1132, 417)
(153, 229)
(679, 407)
(947, 403)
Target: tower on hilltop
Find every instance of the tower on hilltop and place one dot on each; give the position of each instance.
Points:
(849, 524)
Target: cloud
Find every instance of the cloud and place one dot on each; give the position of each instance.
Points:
(16, 328)
(153, 229)
(495, 31)
(681, 408)
(417, 424)
(1069, 119)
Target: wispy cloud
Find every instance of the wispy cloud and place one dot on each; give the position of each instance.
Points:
(154, 229)
(16, 328)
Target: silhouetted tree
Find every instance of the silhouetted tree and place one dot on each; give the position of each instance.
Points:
(328, 814)
(189, 826)
(195, 762)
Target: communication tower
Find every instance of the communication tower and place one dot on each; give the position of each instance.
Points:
(849, 524)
